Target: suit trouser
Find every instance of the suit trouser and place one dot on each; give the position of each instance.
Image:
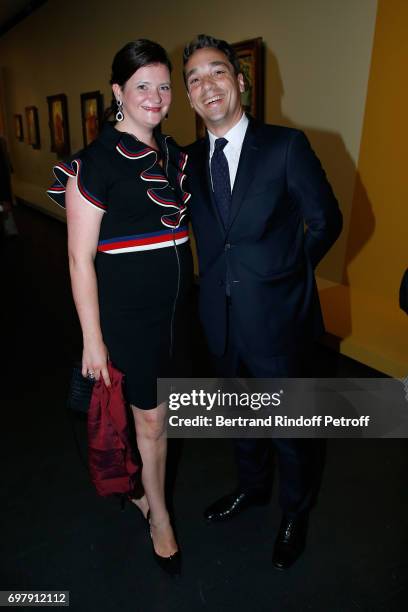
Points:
(300, 460)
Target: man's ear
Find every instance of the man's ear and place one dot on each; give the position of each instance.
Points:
(189, 99)
(241, 82)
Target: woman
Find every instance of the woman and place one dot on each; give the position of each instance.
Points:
(130, 260)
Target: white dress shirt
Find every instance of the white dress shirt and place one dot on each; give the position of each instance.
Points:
(232, 150)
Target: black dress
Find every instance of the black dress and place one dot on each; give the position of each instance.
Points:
(143, 262)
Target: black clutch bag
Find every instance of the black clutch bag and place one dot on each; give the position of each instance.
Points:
(80, 391)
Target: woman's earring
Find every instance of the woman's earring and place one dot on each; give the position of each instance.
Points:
(119, 114)
(166, 116)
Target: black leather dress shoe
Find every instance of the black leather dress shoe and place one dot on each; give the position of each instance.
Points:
(234, 503)
(290, 542)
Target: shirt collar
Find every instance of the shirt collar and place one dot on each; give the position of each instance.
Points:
(235, 135)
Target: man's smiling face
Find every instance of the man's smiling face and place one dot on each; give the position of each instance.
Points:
(214, 90)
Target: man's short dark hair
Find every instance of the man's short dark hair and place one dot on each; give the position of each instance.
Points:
(203, 41)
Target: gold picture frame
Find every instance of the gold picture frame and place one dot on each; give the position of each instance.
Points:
(18, 127)
(33, 127)
(58, 123)
(91, 115)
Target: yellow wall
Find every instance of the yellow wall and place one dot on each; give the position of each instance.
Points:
(378, 265)
(364, 310)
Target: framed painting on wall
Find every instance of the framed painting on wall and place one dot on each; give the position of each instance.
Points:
(33, 128)
(58, 122)
(251, 58)
(18, 127)
(92, 115)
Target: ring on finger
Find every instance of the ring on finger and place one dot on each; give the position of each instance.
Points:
(91, 375)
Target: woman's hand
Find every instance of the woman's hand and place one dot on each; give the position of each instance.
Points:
(95, 360)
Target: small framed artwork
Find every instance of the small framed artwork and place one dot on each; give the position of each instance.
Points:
(33, 127)
(18, 127)
(58, 122)
(251, 58)
(92, 114)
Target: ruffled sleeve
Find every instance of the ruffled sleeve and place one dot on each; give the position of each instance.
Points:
(90, 181)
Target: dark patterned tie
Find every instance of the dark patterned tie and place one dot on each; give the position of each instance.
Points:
(221, 179)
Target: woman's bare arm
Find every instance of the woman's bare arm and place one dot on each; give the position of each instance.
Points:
(84, 221)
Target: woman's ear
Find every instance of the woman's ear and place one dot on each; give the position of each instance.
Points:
(117, 91)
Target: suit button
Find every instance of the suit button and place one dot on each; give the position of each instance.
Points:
(227, 246)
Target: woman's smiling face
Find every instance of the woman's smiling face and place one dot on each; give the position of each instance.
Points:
(146, 96)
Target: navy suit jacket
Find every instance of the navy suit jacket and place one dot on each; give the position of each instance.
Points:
(264, 252)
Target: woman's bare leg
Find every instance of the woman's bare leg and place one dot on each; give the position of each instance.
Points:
(152, 443)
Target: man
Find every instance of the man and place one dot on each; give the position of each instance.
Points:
(254, 188)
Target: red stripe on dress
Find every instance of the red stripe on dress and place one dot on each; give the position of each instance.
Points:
(142, 241)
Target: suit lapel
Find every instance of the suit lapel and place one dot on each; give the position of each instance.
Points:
(246, 170)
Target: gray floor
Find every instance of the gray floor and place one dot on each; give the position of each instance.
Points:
(56, 533)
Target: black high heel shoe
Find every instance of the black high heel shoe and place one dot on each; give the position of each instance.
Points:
(172, 564)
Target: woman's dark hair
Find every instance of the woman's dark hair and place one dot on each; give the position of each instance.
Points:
(203, 41)
(131, 57)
